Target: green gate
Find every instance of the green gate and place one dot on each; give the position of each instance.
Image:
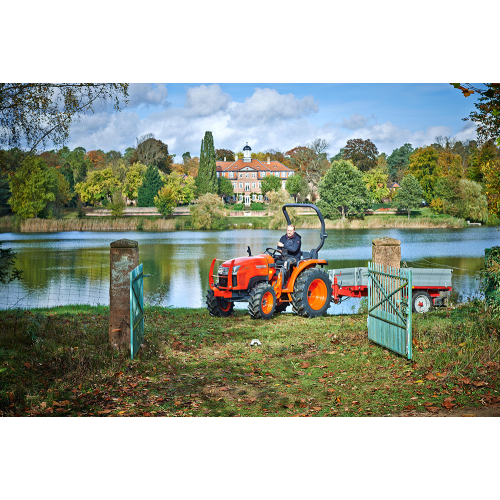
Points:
(136, 310)
(389, 307)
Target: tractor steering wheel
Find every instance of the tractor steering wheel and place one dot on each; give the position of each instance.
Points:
(273, 251)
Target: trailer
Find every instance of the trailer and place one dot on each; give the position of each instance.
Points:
(430, 287)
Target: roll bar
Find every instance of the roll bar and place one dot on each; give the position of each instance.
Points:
(323, 235)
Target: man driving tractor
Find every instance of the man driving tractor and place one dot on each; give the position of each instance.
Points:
(290, 242)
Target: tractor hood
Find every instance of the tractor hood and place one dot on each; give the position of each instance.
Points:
(244, 262)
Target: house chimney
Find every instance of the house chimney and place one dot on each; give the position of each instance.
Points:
(268, 160)
(224, 158)
(235, 157)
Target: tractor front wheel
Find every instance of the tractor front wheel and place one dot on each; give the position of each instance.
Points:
(262, 301)
(312, 293)
(218, 306)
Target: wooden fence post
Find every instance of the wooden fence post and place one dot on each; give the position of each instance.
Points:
(124, 257)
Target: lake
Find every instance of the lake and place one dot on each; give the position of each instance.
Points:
(73, 267)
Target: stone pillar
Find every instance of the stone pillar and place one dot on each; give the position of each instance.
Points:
(386, 251)
(124, 257)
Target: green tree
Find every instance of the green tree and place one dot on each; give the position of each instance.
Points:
(34, 114)
(167, 199)
(338, 156)
(423, 166)
(296, 185)
(376, 183)
(270, 183)
(220, 154)
(225, 187)
(8, 272)
(362, 153)
(133, 180)
(409, 195)
(343, 191)
(100, 185)
(473, 202)
(206, 182)
(33, 185)
(151, 184)
(398, 161)
(184, 185)
(208, 212)
(186, 156)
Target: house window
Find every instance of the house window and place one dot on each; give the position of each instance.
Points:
(263, 174)
(247, 175)
(253, 197)
(290, 174)
(231, 174)
(247, 199)
(234, 185)
(241, 175)
(241, 185)
(260, 185)
(253, 185)
(283, 174)
(247, 186)
(260, 197)
(240, 197)
(253, 174)
(276, 174)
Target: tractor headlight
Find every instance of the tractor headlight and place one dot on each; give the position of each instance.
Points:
(235, 269)
(223, 271)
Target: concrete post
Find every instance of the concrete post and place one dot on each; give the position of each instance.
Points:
(386, 251)
(124, 257)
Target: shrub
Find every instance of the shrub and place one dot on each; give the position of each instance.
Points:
(237, 207)
(257, 206)
(208, 213)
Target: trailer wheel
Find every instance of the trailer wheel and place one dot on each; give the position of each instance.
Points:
(262, 301)
(218, 306)
(312, 293)
(421, 302)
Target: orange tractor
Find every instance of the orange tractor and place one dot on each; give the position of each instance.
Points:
(263, 281)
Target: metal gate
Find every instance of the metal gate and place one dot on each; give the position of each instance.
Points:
(389, 307)
(136, 310)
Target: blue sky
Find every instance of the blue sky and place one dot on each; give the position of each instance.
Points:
(282, 115)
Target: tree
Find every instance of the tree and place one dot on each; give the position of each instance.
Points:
(167, 199)
(151, 151)
(423, 166)
(363, 154)
(186, 156)
(311, 162)
(33, 185)
(151, 184)
(133, 180)
(491, 173)
(34, 114)
(276, 201)
(487, 116)
(449, 163)
(225, 187)
(270, 183)
(8, 272)
(376, 183)
(296, 185)
(97, 158)
(206, 182)
(409, 195)
(343, 187)
(473, 203)
(338, 156)
(184, 185)
(100, 185)
(79, 163)
(208, 212)
(220, 154)
(398, 161)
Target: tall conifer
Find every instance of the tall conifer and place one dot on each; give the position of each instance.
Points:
(151, 184)
(206, 182)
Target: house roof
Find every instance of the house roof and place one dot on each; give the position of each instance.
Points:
(257, 165)
(393, 185)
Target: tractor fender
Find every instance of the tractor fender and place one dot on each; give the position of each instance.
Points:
(306, 264)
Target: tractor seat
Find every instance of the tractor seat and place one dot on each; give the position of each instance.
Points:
(309, 255)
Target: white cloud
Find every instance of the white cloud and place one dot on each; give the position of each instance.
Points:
(206, 100)
(356, 121)
(147, 94)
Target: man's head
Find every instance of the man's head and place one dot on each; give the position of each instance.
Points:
(290, 230)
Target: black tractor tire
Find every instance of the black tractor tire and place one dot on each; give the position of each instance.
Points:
(262, 303)
(421, 302)
(218, 306)
(281, 307)
(312, 293)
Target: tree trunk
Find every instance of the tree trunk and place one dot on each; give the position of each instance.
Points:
(409, 214)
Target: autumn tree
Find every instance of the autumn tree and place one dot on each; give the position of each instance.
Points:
(208, 212)
(151, 151)
(270, 183)
(33, 184)
(100, 185)
(220, 154)
(343, 191)
(362, 153)
(133, 180)
(151, 184)
(409, 195)
(311, 162)
(167, 199)
(491, 175)
(206, 181)
(376, 183)
(35, 114)
(423, 166)
(97, 158)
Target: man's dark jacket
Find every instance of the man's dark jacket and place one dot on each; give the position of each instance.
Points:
(292, 245)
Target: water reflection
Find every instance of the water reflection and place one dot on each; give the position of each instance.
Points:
(73, 267)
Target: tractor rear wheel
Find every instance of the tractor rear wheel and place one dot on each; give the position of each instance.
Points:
(218, 306)
(262, 301)
(312, 293)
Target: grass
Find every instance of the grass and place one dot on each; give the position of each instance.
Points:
(58, 362)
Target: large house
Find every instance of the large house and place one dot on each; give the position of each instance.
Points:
(246, 175)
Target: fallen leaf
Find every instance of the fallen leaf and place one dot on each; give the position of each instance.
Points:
(304, 365)
(409, 407)
(132, 384)
(316, 408)
(448, 405)
(331, 390)
(27, 365)
(432, 409)
(103, 412)
(430, 376)
(479, 383)
(464, 380)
